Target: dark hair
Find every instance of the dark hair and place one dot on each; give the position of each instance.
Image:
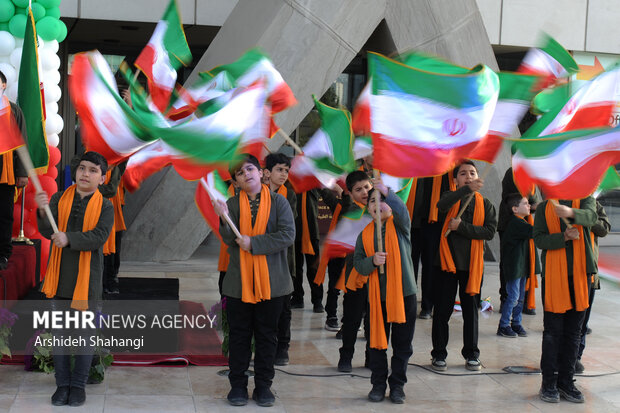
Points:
(97, 159)
(355, 177)
(2, 77)
(455, 172)
(244, 158)
(273, 159)
(371, 195)
(513, 200)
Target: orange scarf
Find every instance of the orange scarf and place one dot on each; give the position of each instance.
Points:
(91, 218)
(411, 199)
(255, 284)
(394, 301)
(532, 282)
(433, 214)
(557, 292)
(7, 176)
(306, 244)
(283, 191)
(476, 259)
(319, 278)
(224, 257)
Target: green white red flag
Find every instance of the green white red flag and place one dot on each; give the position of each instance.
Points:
(10, 135)
(205, 89)
(328, 154)
(254, 66)
(550, 60)
(211, 188)
(424, 122)
(165, 53)
(569, 165)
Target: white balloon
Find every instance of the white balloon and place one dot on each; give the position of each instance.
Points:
(53, 139)
(51, 77)
(52, 45)
(7, 43)
(52, 93)
(16, 57)
(5, 59)
(51, 108)
(19, 42)
(53, 124)
(49, 60)
(9, 72)
(40, 42)
(11, 92)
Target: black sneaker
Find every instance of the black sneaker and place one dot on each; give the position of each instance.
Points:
(297, 304)
(331, 324)
(238, 396)
(77, 396)
(529, 311)
(549, 394)
(4, 263)
(579, 367)
(506, 332)
(61, 396)
(344, 366)
(473, 364)
(571, 393)
(263, 396)
(377, 393)
(425, 315)
(281, 359)
(397, 395)
(518, 328)
(318, 308)
(439, 365)
(588, 330)
(339, 334)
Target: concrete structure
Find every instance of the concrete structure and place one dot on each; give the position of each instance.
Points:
(310, 43)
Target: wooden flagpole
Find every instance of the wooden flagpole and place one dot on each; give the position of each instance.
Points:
(231, 224)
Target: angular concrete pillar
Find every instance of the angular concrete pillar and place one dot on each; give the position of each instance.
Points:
(310, 43)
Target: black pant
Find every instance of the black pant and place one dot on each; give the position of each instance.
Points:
(284, 326)
(402, 349)
(560, 345)
(312, 265)
(353, 310)
(334, 269)
(503, 294)
(584, 326)
(112, 263)
(444, 287)
(7, 194)
(424, 249)
(261, 321)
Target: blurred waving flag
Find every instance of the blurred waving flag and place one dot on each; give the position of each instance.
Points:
(423, 122)
(211, 188)
(549, 60)
(165, 53)
(328, 154)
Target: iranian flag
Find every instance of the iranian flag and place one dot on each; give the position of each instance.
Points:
(341, 241)
(108, 125)
(210, 189)
(516, 91)
(328, 154)
(253, 66)
(30, 98)
(611, 180)
(205, 89)
(550, 60)
(165, 53)
(361, 112)
(568, 165)
(424, 122)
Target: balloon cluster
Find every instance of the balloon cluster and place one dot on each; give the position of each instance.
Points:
(50, 31)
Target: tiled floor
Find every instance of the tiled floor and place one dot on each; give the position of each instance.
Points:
(312, 384)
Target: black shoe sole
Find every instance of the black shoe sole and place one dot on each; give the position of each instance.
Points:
(570, 398)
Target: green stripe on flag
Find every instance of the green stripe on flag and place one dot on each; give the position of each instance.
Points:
(559, 53)
(337, 125)
(472, 89)
(611, 180)
(537, 148)
(29, 98)
(431, 63)
(241, 66)
(516, 86)
(174, 38)
(220, 185)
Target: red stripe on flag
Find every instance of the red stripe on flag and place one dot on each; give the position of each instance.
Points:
(203, 202)
(487, 149)
(282, 98)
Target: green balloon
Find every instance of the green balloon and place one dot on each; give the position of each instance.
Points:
(62, 31)
(7, 10)
(53, 11)
(21, 3)
(4, 27)
(38, 11)
(49, 3)
(48, 28)
(17, 25)
(20, 10)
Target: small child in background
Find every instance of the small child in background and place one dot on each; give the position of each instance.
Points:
(517, 252)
